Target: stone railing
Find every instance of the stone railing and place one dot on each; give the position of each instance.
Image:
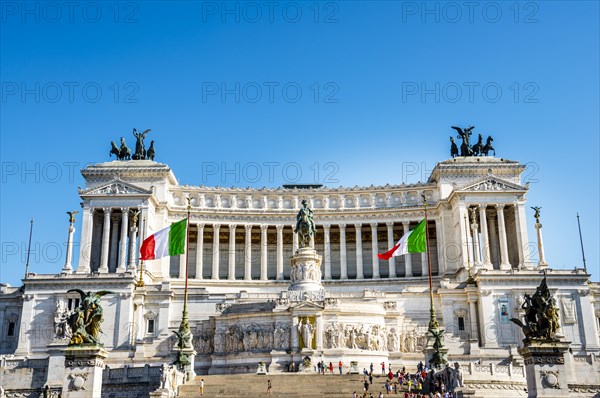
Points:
(319, 198)
(128, 381)
(474, 371)
(9, 362)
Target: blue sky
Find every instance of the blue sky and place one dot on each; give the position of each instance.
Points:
(341, 93)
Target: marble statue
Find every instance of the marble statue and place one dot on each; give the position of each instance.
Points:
(306, 330)
(62, 330)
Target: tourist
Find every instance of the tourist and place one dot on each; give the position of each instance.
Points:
(269, 387)
(371, 378)
(319, 367)
(390, 375)
(371, 367)
(380, 394)
(340, 366)
(354, 395)
(330, 368)
(201, 386)
(365, 372)
(382, 368)
(366, 385)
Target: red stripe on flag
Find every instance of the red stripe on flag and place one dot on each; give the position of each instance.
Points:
(388, 254)
(147, 249)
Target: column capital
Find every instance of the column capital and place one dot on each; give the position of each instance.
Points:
(107, 211)
(482, 206)
(342, 226)
(200, 225)
(248, 227)
(374, 224)
(358, 226)
(499, 206)
(279, 227)
(405, 224)
(125, 211)
(232, 226)
(390, 224)
(263, 227)
(216, 226)
(327, 227)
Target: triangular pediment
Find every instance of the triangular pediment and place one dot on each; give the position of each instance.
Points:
(115, 188)
(491, 183)
(307, 305)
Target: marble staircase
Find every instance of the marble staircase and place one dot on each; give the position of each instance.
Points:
(284, 385)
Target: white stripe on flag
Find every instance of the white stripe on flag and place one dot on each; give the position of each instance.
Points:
(403, 245)
(161, 243)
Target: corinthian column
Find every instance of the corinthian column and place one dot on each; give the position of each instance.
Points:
(68, 268)
(326, 229)
(359, 254)
(199, 251)
(215, 259)
(390, 236)
(103, 269)
(374, 249)
(343, 262)
(133, 240)
(123, 241)
(279, 252)
(113, 257)
(85, 249)
(407, 257)
(504, 262)
(485, 240)
(474, 226)
(248, 254)
(231, 271)
(542, 257)
(263, 252)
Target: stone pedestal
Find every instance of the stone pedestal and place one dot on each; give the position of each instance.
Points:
(305, 272)
(83, 368)
(545, 368)
(56, 364)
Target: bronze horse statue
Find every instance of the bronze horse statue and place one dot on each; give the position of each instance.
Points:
(478, 147)
(488, 146)
(124, 152)
(304, 231)
(114, 150)
(453, 148)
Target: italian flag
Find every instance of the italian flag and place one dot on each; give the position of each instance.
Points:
(169, 241)
(412, 242)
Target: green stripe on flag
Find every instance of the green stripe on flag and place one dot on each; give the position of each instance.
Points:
(177, 234)
(417, 241)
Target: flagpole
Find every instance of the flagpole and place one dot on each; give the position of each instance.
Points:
(185, 347)
(433, 323)
(187, 256)
(28, 249)
(141, 278)
(581, 242)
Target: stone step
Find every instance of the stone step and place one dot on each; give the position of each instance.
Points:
(284, 385)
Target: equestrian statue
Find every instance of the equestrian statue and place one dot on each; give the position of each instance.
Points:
(305, 226)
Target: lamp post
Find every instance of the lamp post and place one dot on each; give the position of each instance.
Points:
(185, 349)
(435, 334)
